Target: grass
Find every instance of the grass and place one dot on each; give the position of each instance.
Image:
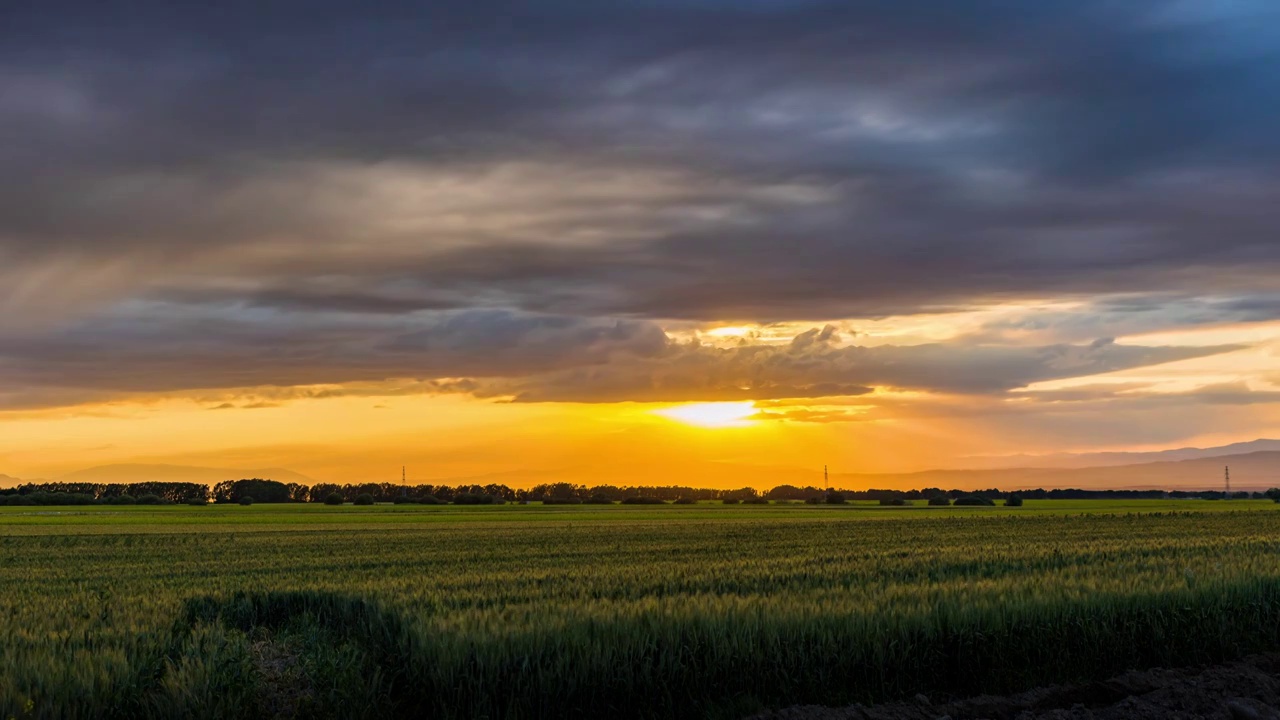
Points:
(530, 611)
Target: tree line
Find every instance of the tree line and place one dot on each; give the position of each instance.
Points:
(258, 490)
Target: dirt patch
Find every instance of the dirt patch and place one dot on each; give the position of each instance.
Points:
(1245, 690)
(284, 689)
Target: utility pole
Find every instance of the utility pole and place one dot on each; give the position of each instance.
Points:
(1228, 476)
(826, 479)
(404, 484)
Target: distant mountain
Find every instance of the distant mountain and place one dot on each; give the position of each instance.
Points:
(1249, 471)
(1100, 459)
(9, 481)
(131, 473)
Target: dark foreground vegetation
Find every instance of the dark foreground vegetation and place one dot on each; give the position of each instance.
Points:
(270, 491)
(614, 618)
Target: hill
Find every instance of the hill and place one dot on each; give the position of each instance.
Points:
(1249, 471)
(1106, 459)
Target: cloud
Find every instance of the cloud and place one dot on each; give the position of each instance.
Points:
(814, 366)
(435, 201)
(772, 161)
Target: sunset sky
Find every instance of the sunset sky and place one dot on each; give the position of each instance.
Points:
(595, 240)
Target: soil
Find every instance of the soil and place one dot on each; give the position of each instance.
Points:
(284, 690)
(1245, 690)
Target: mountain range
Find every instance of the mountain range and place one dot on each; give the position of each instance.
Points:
(1107, 459)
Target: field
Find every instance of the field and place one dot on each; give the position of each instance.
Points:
(615, 611)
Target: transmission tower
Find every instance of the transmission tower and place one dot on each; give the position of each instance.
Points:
(1228, 479)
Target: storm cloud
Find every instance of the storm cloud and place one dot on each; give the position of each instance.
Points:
(526, 195)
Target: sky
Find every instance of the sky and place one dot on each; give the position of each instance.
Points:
(599, 240)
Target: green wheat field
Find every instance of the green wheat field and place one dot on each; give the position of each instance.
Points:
(610, 611)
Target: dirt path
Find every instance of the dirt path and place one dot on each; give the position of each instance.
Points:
(1244, 690)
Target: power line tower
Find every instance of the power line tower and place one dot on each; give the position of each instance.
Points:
(826, 479)
(1228, 479)
(404, 484)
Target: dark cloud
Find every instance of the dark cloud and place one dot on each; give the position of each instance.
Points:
(292, 193)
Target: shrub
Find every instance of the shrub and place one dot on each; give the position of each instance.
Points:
(643, 500)
(1013, 501)
(940, 500)
(561, 501)
(813, 500)
(686, 501)
(122, 500)
(429, 500)
(836, 498)
(59, 498)
(19, 500)
(974, 501)
(333, 499)
(598, 500)
(730, 501)
(404, 500)
(246, 500)
(150, 500)
(756, 501)
(197, 502)
(893, 502)
(364, 499)
(473, 499)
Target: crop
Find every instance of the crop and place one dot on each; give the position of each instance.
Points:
(616, 612)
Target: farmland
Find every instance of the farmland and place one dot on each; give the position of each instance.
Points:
(532, 611)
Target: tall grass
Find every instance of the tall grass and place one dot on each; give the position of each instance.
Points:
(646, 619)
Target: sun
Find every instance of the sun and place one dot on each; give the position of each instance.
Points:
(711, 414)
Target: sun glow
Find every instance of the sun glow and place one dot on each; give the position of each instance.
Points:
(712, 414)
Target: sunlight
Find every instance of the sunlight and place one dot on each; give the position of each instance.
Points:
(712, 414)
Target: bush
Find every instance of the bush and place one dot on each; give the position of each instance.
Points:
(58, 498)
(19, 500)
(813, 500)
(561, 501)
(975, 501)
(836, 498)
(756, 501)
(1013, 501)
(642, 500)
(940, 500)
(730, 501)
(364, 499)
(333, 499)
(473, 499)
(122, 500)
(429, 500)
(893, 502)
(246, 500)
(686, 501)
(598, 500)
(404, 500)
(150, 500)
(197, 502)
